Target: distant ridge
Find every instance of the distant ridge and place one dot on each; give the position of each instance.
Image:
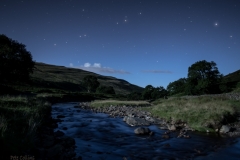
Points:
(233, 77)
(60, 77)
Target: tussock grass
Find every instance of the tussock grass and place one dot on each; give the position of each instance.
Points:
(20, 118)
(107, 103)
(201, 113)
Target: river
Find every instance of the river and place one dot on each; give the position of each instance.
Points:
(101, 137)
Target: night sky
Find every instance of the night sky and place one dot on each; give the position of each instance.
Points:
(142, 41)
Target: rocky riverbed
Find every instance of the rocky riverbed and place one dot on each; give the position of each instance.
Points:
(107, 136)
(134, 116)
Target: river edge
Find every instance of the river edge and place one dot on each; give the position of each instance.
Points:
(134, 116)
(171, 136)
(51, 143)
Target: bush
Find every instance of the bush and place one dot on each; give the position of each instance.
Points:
(15, 61)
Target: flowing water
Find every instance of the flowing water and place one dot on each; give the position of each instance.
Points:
(101, 137)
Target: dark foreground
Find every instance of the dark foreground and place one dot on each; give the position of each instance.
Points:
(98, 136)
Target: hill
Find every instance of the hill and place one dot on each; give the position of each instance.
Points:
(233, 77)
(70, 79)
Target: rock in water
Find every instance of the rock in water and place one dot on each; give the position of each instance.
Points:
(142, 130)
(224, 129)
(125, 118)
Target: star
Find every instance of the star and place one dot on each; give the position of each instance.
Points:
(231, 36)
(216, 24)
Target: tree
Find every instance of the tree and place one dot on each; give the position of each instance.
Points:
(105, 90)
(202, 78)
(146, 94)
(16, 62)
(159, 92)
(134, 96)
(177, 86)
(91, 83)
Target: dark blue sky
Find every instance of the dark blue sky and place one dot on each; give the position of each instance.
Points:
(144, 42)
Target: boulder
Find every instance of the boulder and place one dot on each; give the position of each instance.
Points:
(224, 129)
(134, 121)
(142, 130)
(171, 127)
(125, 118)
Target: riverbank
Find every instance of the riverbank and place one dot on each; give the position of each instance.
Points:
(101, 136)
(27, 128)
(203, 113)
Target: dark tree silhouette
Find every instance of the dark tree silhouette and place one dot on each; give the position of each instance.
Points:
(177, 86)
(202, 78)
(16, 62)
(146, 94)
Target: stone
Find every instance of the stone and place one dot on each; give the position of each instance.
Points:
(171, 127)
(163, 127)
(142, 130)
(135, 121)
(125, 118)
(224, 129)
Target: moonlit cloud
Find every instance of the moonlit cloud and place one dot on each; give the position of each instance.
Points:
(97, 68)
(98, 65)
(156, 71)
(87, 64)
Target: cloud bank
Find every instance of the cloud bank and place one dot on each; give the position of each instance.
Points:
(156, 71)
(96, 67)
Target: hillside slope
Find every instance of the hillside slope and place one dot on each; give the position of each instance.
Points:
(60, 77)
(233, 77)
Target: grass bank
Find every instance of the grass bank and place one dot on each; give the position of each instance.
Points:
(107, 103)
(201, 113)
(20, 119)
(22, 116)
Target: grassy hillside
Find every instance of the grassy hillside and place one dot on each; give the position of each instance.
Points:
(64, 78)
(232, 79)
